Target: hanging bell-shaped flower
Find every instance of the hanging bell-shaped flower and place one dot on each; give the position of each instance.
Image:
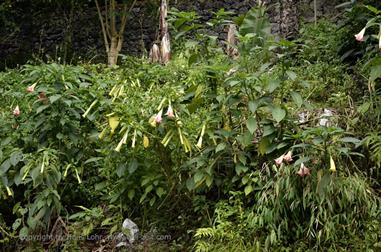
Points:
(16, 111)
(170, 113)
(360, 36)
(288, 157)
(158, 117)
(303, 171)
(279, 160)
(30, 89)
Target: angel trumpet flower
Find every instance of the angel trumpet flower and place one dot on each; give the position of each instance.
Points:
(16, 111)
(360, 36)
(279, 160)
(288, 157)
(303, 171)
(170, 113)
(30, 89)
(158, 117)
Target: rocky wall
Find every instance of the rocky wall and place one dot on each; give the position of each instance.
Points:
(71, 32)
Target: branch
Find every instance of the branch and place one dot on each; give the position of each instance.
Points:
(106, 18)
(112, 17)
(103, 26)
(124, 17)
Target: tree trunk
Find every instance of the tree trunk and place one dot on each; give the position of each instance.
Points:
(114, 50)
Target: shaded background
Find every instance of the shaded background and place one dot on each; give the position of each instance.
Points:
(69, 31)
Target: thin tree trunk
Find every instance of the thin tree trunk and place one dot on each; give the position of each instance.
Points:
(113, 37)
(112, 55)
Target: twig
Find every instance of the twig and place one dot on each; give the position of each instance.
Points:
(103, 26)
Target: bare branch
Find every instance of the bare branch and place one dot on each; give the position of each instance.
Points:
(103, 26)
(123, 21)
(107, 18)
(124, 17)
(112, 17)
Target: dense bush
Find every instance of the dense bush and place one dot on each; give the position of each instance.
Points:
(218, 152)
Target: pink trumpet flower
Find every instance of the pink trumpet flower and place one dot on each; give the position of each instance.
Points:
(303, 171)
(379, 43)
(360, 36)
(16, 111)
(30, 89)
(288, 157)
(170, 113)
(158, 117)
(279, 160)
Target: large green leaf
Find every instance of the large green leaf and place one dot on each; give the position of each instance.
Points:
(256, 22)
(297, 98)
(248, 189)
(375, 72)
(272, 85)
(253, 105)
(278, 114)
(251, 124)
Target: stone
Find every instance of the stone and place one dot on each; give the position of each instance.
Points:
(325, 118)
(130, 230)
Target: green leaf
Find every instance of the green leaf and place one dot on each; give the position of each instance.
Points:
(251, 124)
(268, 130)
(121, 170)
(93, 159)
(54, 98)
(220, 147)
(253, 105)
(133, 166)
(272, 85)
(160, 191)
(148, 189)
(190, 184)
(16, 157)
(24, 232)
(248, 189)
(373, 9)
(263, 145)
(363, 108)
(35, 174)
(100, 186)
(209, 181)
(239, 169)
(198, 176)
(114, 228)
(41, 108)
(256, 22)
(16, 224)
(297, 98)
(107, 221)
(245, 139)
(5, 166)
(152, 201)
(278, 114)
(323, 182)
(350, 140)
(292, 75)
(375, 72)
(131, 194)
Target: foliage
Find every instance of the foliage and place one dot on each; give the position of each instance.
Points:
(313, 212)
(83, 147)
